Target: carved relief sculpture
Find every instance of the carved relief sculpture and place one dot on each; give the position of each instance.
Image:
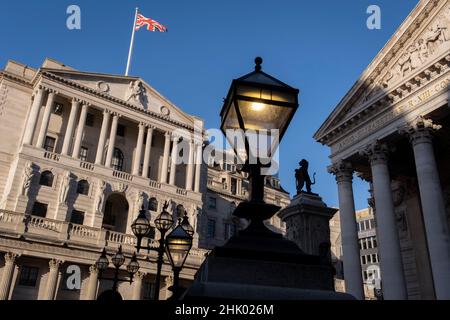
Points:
(28, 174)
(135, 92)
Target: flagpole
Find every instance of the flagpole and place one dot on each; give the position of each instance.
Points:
(130, 52)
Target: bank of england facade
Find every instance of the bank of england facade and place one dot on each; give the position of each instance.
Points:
(392, 129)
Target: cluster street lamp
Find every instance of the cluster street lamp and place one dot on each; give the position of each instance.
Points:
(118, 259)
(172, 244)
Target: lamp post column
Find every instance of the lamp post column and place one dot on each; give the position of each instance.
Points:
(7, 275)
(350, 248)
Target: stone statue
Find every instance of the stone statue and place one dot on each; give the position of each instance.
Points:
(28, 174)
(134, 92)
(64, 188)
(302, 177)
(139, 200)
(100, 197)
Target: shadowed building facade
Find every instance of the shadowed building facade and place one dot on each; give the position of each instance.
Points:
(392, 128)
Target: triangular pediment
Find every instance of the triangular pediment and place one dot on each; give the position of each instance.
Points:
(423, 37)
(129, 90)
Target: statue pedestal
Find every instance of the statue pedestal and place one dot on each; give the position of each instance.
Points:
(307, 221)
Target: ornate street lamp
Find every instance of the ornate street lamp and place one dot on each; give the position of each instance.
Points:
(118, 259)
(178, 245)
(186, 225)
(257, 102)
(141, 228)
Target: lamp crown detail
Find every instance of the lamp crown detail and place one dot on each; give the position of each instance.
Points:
(258, 62)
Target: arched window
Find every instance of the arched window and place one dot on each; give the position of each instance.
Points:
(83, 187)
(117, 160)
(46, 179)
(153, 204)
(180, 211)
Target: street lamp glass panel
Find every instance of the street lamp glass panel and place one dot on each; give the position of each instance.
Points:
(164, 221)
(133, 266)
(118, 259)
(102, 262)
(187, 226)
(178, 245)
(141, 226)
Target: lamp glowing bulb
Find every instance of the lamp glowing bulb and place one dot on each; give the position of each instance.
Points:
(256, 106)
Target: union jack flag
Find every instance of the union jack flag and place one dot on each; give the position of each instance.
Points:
(151, 24)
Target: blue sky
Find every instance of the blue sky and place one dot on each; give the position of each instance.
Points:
(320, 47)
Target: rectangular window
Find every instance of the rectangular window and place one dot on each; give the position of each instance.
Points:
(364, 244)
(212, 203)
(369, 259)
(90, 120)
(49, 144)
(39, 209)
(84, 153)
(230, 230)
(375, 242)
(233, 186)
(365, 275)
(148, 290)
(58, 108)
(363, 259)
(121, 130)
(28, 276)
(77, 217)
(211, 228)
(374, 258)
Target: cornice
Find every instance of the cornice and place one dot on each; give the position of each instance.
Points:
(398, 94)
(50, 76)
(394, 45)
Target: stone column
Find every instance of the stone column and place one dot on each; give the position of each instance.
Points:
(433, 207)
(137, 285)
(46, 119)
(92, 284)
(350, 248)
(33, 116)
(80, 131)
(198, 167)
(70, 126)
(148, 146)
(102, 137)
(7, 275)
(52, 279)
(138, 154)
(391, 265)
(173, 164)
(112, 140)
(190, 167)
(165, 164)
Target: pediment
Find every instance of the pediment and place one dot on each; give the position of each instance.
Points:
(130, 90)
(423, 37)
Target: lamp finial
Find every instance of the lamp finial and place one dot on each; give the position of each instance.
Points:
(258, 62)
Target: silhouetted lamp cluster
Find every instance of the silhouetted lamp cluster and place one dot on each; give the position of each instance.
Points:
(177, 245)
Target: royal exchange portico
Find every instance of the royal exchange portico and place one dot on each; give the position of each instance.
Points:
(392, 130)
(80, 153)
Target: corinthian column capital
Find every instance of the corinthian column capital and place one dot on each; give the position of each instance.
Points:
(54, 263)
(10, 257)
(420, 130)
(377, 152)
(342, 170)
(93, 269)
